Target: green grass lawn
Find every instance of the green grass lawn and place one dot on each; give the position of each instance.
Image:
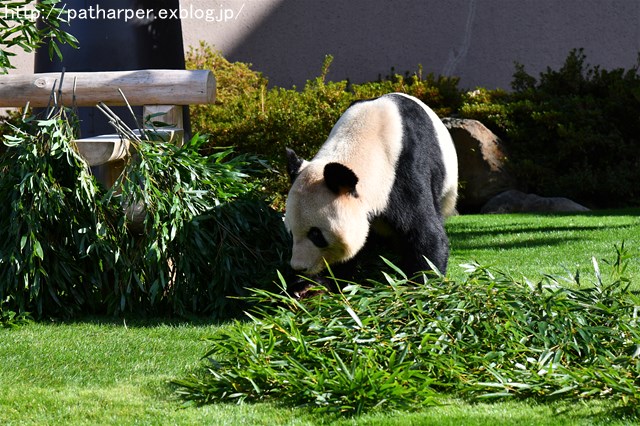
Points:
(534, 245)
(108, 371)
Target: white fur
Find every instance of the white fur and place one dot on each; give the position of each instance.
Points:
(342, 219)
(368, 137)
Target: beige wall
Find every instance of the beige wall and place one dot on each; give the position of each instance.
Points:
(478, 40)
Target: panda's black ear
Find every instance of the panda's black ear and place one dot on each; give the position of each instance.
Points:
(293, 164)
(340, 179)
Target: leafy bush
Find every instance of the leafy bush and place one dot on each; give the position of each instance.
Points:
(68, 245)
(401, 344)
(11, 319)
(199, 211)
(222, 252)
(572, 132)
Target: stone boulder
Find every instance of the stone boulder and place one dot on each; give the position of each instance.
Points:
(513, 201)
(481, 163)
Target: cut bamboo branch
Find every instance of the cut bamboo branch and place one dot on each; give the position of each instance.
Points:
(142, 87)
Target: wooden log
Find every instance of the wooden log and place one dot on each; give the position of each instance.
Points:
(141, 87)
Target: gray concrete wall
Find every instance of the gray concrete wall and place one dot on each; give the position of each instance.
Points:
(477, 40)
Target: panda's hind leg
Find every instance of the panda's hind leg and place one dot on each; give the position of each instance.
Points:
(427, 240)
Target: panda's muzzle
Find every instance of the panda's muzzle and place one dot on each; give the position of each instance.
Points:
(304, 270)
(307, 258)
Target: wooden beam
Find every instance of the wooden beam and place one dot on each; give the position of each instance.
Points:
(141, 87)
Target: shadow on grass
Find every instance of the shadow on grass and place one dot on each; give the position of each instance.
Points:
(527, 231)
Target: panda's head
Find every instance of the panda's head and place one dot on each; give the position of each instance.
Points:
(326, 218)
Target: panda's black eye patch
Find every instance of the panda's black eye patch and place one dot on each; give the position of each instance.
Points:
(316, 237)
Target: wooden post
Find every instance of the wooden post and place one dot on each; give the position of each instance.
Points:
(170, 115)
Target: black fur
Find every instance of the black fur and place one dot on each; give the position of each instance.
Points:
(340, 179)
(414, 210)
(293, 164)
(414, 204)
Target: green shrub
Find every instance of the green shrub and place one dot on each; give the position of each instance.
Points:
(68, 246)
(205, 235)
(11, 319)
(571, 132)
(403, 344)
(221, 253)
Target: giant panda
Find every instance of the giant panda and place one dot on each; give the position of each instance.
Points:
(388, 166)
